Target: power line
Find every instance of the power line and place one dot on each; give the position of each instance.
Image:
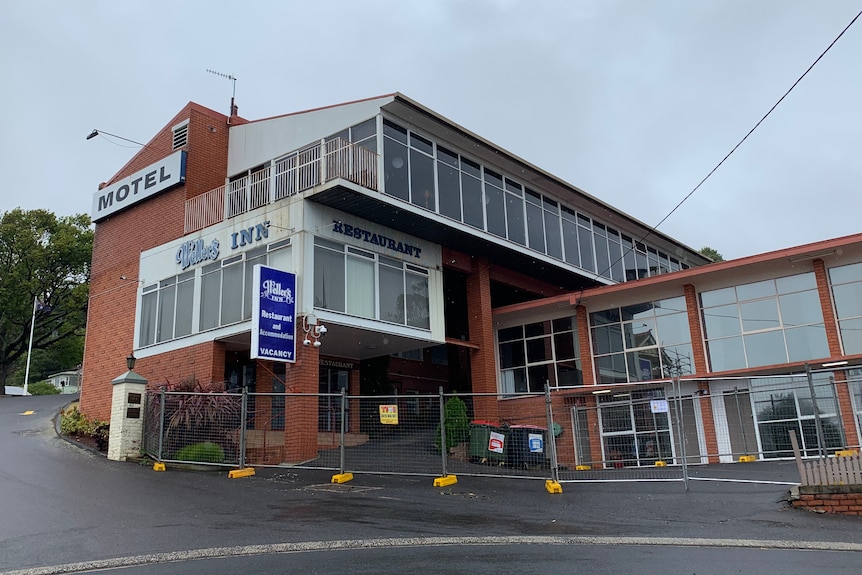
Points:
(766, 115)
(730, 153)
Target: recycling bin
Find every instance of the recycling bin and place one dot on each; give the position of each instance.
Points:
(527, 446)
(488, 442)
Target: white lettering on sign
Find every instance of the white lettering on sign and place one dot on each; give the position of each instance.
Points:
(273, 291)
(155, 178)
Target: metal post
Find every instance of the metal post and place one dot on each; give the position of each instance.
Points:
(443, 448)
(161, 425)
(821, 446)
(242, 417)
(552, 439)
(681, 426)
(30, 345)
(343, 430)
(741, 423)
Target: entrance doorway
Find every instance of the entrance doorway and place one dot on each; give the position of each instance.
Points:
(241, 372)
(332, 381)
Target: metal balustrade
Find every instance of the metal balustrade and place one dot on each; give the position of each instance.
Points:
(282, 178)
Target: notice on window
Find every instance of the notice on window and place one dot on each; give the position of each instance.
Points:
(389, 414)
(496, 442)
(658, 406)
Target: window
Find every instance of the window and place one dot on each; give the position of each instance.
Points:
(381, 287)
(439, 179)
(642, 342)
(778, 408)
(166, 309)
(632, 434)
(538, 353)
(847, 293)
(764, 323)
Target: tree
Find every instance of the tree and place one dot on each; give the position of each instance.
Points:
(711, 253)
(46, 258)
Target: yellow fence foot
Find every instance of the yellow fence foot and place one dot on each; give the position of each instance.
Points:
(234, 473)
(661, 463)
(444, 481)
(747, 458)
(342, 478)
(158, 466)
(553, 487)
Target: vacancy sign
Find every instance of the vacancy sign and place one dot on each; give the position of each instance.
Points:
(273, 333)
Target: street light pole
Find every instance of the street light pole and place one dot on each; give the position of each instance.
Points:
(30, 346)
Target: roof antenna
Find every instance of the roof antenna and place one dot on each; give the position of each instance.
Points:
(233, 108)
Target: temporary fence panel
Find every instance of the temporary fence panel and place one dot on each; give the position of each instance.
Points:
(627, 436)
(200, 428)
(753, 417)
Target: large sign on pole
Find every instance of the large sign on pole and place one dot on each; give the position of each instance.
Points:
(273, 333)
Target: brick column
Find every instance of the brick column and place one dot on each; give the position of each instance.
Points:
(582, 325)
(833, 338)
(353, 417)
(483, 366)
(698, 347)
(301, 413)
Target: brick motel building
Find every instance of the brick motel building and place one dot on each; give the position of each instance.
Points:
(413, 239)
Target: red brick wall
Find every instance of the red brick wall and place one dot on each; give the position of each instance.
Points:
(482, 363)
(847, 503)
(583, 327)
(300, 426)
(833, 337)
(118, 242)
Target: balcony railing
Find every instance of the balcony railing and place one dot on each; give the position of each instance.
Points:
(285, 177)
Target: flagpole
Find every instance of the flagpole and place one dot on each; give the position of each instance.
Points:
(30, 346)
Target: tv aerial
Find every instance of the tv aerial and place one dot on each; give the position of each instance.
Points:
(232, 78)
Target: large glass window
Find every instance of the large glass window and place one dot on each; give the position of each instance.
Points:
(538, 353)
(642, 342)
(381, 287)
(167, 307)
(764, 323)
(634, 434)
(847, 293)
(421, 171)
(779, 408)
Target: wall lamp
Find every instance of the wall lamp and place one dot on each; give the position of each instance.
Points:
(95, 133)
(130, 361)
(313, 329)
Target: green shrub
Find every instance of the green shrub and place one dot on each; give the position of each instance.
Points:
(205, 452)
(456, 421)
(73, 422)
(42, 388)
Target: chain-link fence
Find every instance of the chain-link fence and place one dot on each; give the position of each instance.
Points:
(433, 435)
(643, 432)
(190, 427)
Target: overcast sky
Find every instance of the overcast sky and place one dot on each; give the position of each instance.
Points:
(632, 101)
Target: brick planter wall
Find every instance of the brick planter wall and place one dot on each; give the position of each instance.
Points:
(841, 499)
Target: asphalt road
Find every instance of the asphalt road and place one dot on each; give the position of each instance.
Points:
(65, 509)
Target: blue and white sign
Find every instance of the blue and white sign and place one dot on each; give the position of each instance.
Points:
(273, 333)
(537, 445)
